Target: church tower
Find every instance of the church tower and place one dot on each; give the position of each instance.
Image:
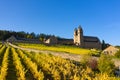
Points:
(75, 36)
(78, 36)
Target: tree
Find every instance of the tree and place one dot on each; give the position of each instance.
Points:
(42, 37)
(103, 45)
(33, 35)
(29, 36)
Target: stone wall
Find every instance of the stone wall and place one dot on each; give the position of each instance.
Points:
(66, 42)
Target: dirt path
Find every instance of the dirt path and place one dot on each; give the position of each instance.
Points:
(61, 54)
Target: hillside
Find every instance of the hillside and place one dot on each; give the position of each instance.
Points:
(58, 48)
(41, 66)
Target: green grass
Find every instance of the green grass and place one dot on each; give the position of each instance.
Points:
(58, 48)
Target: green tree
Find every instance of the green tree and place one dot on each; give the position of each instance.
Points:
(42, 36)
(33, 35)
(103, 45)
(29, 36)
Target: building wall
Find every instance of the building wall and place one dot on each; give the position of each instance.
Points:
(96, 45)
(52, 40)
(23, 41)
(65, 42)
(14, 39)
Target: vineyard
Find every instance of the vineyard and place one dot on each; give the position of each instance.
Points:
(16, 64)
(57, 48)
(20, 65)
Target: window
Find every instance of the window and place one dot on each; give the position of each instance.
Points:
(76, 33)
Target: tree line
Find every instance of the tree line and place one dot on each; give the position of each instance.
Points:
(4, 34)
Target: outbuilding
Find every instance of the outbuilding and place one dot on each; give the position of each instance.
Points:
(110, 50)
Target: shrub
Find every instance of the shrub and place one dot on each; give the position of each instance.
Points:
(94, 52)
(84, 60)
(105, 64)
(117, 54)
(88, 61)
(93, 64)
(104, 76)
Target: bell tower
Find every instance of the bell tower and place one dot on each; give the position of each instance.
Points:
(78, 36)
(75, 35)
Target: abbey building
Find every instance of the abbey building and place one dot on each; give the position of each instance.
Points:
(78, 39)
(85, 41)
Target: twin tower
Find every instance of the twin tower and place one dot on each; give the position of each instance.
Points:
(85, 41)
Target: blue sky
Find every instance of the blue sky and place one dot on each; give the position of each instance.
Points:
(99, 18)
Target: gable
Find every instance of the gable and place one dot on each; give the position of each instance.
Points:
(112, 48)
(12, 38)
